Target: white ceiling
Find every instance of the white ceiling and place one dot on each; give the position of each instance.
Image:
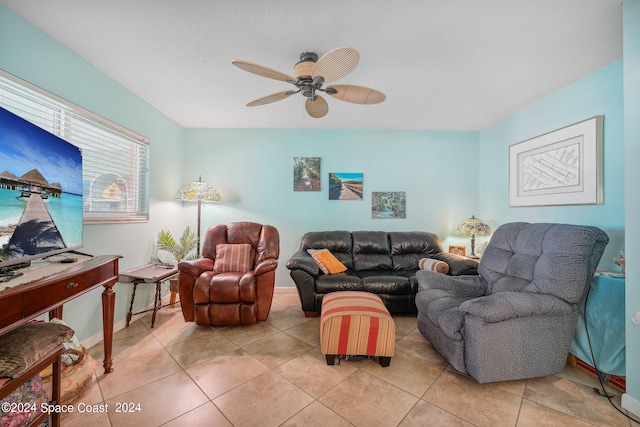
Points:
(443, 64)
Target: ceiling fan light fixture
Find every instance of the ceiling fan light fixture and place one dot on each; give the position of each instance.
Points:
(303, 69)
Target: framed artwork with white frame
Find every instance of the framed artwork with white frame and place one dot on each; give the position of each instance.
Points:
(562, 167)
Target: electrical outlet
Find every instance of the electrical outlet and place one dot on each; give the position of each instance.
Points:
(635, 319)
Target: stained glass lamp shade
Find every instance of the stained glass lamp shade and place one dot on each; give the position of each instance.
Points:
(198, 191)
(474, 227)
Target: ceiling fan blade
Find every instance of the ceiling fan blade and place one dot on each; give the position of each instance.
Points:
(272, 98)
(263, 71)
(356, 94)
(318, 108)
(336, 64)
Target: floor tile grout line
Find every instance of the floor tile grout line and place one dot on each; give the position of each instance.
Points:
(286, 328)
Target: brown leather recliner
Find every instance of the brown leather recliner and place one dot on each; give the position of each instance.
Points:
(209, 295)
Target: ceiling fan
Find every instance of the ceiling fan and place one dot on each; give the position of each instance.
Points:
(309, 76)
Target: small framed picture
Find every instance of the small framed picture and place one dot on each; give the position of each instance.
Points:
(388, 205)
(345, 186)
(306, 173)
(457, 249)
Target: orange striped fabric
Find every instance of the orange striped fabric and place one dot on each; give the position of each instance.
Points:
(356, 323)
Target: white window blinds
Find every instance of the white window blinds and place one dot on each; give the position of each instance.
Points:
(115, 160)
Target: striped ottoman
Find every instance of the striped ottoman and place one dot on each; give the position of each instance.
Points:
(356, 323)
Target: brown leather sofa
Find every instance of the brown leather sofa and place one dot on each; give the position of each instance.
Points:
(210, 295)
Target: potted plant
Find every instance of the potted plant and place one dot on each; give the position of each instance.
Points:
(181, 249)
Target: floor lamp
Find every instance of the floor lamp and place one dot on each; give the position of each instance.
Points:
(198, 191)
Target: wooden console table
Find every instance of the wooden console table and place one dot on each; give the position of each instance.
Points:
(29, 297)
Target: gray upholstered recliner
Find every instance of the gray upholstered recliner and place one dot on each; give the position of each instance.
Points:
(517, 318)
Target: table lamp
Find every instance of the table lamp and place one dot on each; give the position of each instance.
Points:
(201, 192)
(474, 227)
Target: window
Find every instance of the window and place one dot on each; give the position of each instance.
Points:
(115, 160)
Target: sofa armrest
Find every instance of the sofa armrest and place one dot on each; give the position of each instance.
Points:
(458, 264)
(462, 285)
(301, 260)
(503, 306)
(195, 267)
(265, 266)
(189, 271)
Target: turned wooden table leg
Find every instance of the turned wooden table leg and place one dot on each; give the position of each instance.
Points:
(108, 306)
(133, 297)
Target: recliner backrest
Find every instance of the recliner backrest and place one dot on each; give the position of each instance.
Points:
(264, 239)
(556, 259)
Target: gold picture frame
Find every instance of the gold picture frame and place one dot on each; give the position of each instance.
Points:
(458, 250)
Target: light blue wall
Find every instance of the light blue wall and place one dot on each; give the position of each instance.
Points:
(600, 93)
(631, 25)
(253, 170)
(28, 53)
(613, 91)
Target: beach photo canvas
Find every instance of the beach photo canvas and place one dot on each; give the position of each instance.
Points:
(346, 185)
(40, 190)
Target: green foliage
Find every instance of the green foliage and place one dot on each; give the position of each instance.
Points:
(182, 249)
(306, 166)
(334, 180)
(393, 200)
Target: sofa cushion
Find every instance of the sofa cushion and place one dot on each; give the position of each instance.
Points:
(347, 281)
(234, 258)
(371, 251)
(339, 243)
(388, 282)
(326, 261)
(408, 247)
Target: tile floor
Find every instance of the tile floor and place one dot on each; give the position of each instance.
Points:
(273, 374)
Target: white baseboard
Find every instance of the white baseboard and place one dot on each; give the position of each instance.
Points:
(285, 290)
(631, 404)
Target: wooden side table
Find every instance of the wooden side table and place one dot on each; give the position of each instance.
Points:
(150, 273)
